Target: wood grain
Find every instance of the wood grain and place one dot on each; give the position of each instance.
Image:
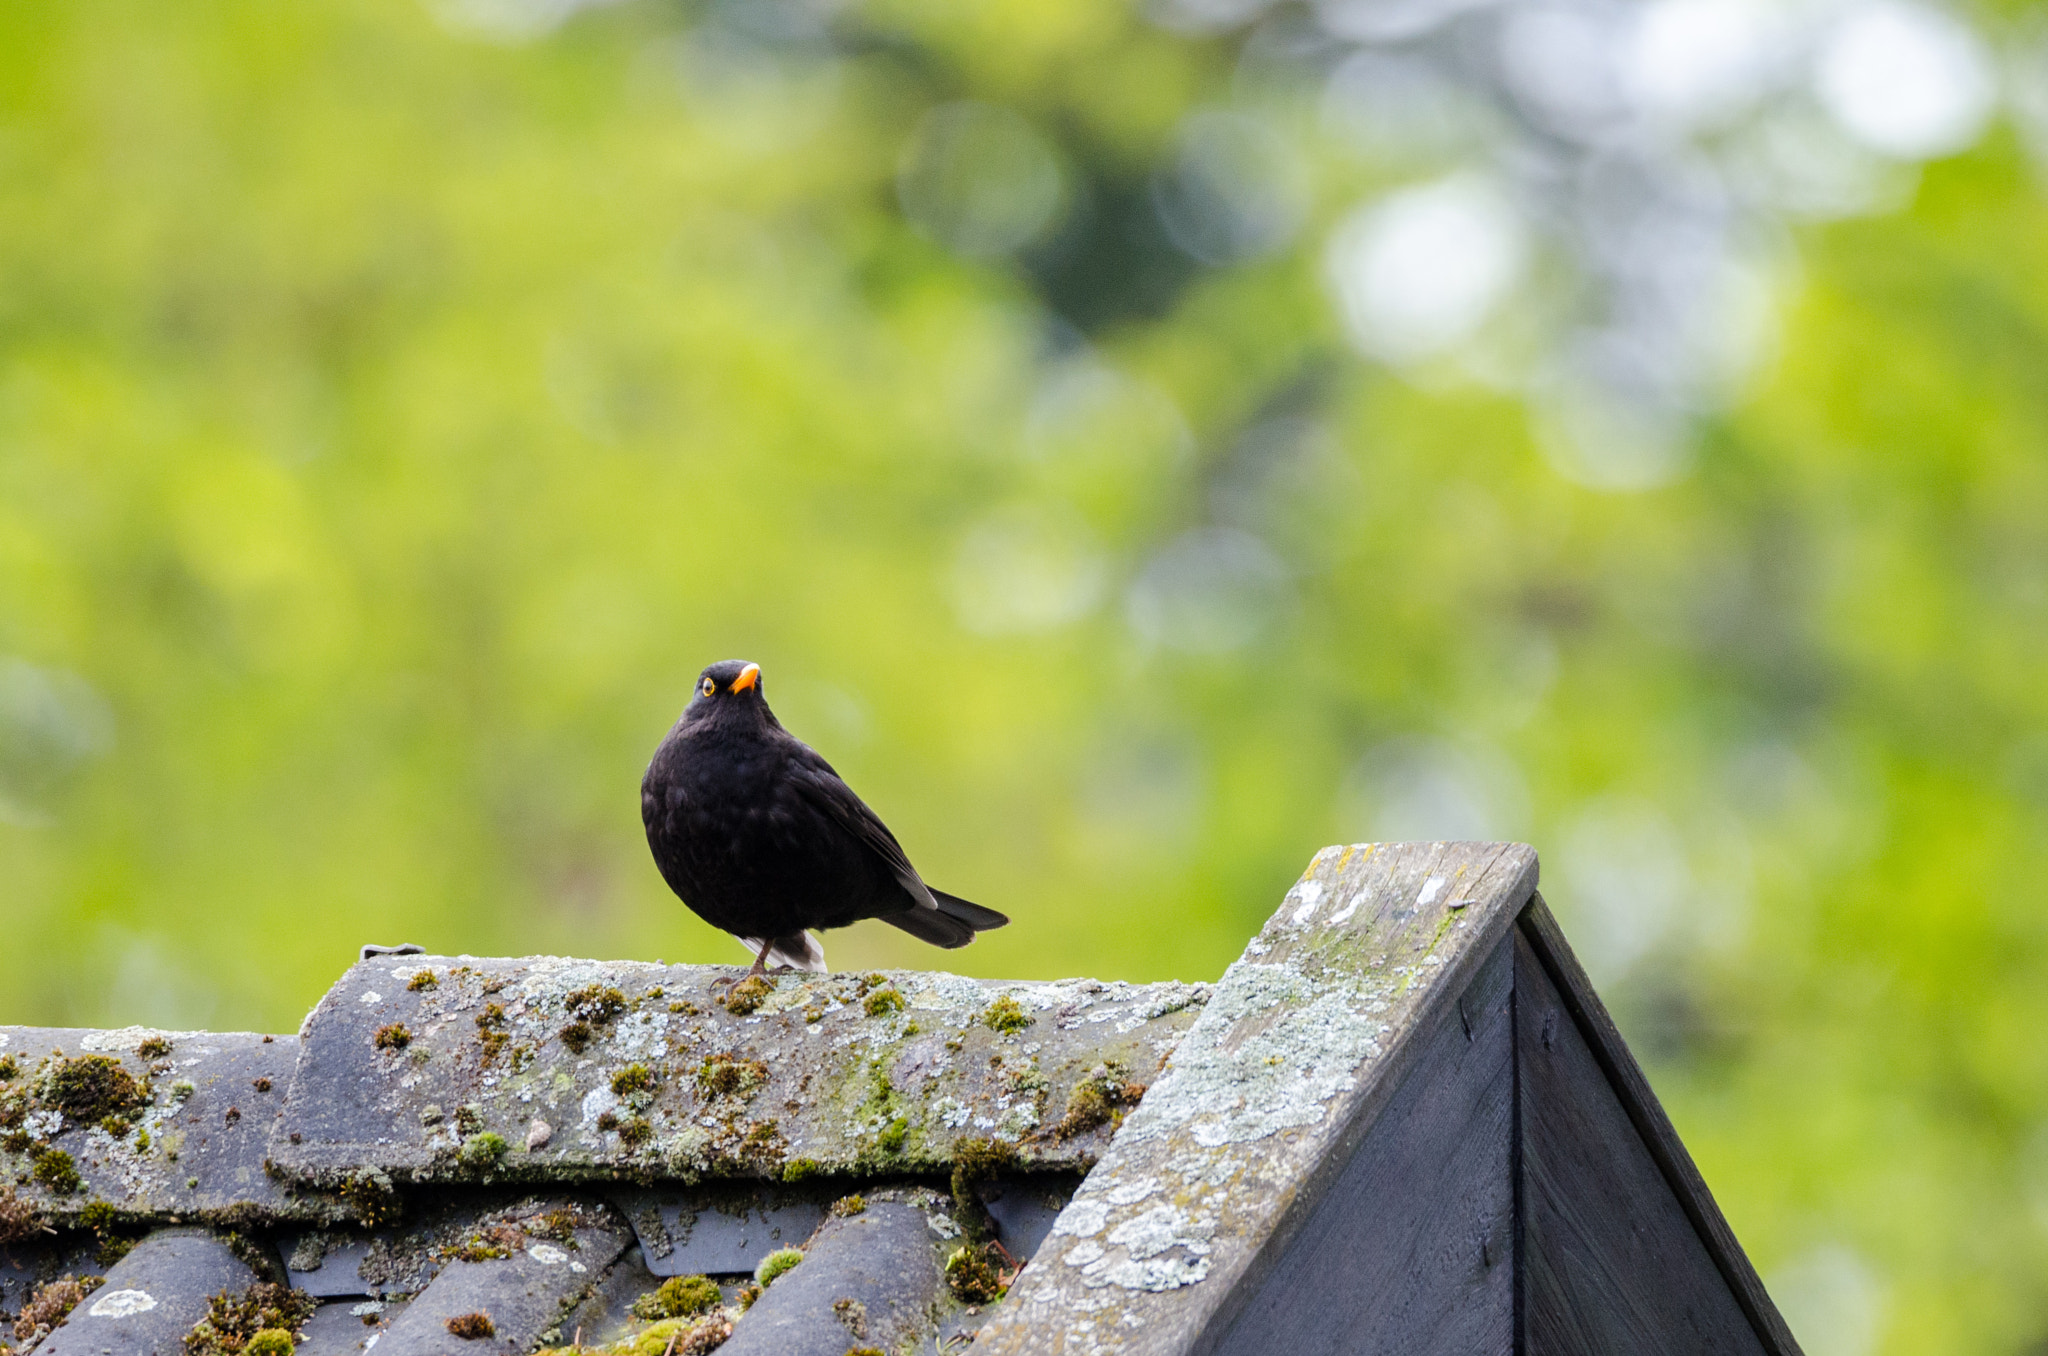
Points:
(1611, 1264)
(1546, 943)
(1411, 1251)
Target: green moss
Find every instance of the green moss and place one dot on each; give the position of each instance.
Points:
(423, 981)
(576, 1036)
(558, 1224)
(50, 1304)
(91, 1088)
(491, 1033)
(182, 1090)
(890, 1141)
(471, 1326)
(747, 995)
(882, 1002)
(483, 1150)
(777, 1263)
(392, 1036)
(18, 1219)
(679, 1297)
(799, 1168)
(270, 1342)
(764, 1146)
(154, 1047)
(1005, 1015)
(55, 1169)
(975, 1160)
(634, 1078)
(669, 1337)
(598, 1003)
(371, 1195)
(1101, 1098)
(235, 1321)
(731, 1076)
(846, 1207)
(635, 1131)
(974, 1273)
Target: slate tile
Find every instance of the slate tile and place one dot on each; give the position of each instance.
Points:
(525, 1296)
(871, 1280)
(151, 1297)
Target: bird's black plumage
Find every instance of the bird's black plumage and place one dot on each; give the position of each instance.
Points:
(759, 836)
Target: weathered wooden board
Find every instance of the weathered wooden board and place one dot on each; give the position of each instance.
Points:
(1611, 1264)
(543, 1069)
(1265, 1099)
(1572, 989)
(1410, 1252)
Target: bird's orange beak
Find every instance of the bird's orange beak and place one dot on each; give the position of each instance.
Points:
(749, 676)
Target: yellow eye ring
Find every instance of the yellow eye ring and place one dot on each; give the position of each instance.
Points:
(707, 687)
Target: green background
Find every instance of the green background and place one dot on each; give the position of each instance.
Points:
(392, 422)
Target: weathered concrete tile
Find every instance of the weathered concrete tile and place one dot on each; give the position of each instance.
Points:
(329, 1269)
(606, 1314)
(719, 1230)
(404, 1258)
(195, 1144)
(151, 1297)
(348, 1327)
(870, 1280)
(524, 1295)
(24, 1266)
(563, 1070)
(1025, 1207)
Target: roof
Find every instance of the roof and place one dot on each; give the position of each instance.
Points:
(1400, 1121)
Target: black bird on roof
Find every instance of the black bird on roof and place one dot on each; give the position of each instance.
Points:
(759, 836)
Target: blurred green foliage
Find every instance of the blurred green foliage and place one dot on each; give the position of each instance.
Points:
(393, 422)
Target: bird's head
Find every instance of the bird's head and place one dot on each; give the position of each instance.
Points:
(728, 685)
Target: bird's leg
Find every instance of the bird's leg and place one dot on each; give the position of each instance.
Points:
(761, 961)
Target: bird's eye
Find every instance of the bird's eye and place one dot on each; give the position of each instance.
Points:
(707, 687)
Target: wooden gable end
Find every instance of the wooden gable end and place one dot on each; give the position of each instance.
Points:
(1495, 1177)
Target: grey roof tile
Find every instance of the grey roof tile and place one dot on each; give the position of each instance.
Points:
(720, 1229)
(198, 1144)
(871, 1280)
(544, 1069)
(525, 1295)
(347, 1327)
(151, 1297)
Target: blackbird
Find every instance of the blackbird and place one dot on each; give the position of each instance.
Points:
(759, 836)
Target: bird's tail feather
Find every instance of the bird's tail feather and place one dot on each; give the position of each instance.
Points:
(952, 924)
(976, 917)
(798, 950)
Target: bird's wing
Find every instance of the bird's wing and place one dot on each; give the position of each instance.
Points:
(821, 787)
